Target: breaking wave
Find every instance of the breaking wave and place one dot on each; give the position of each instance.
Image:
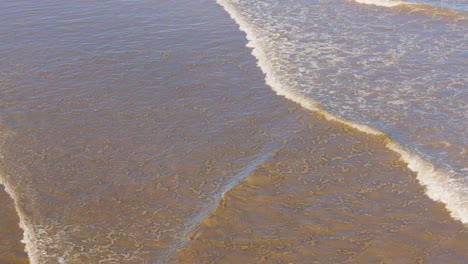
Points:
(457, 12)
(440, 185)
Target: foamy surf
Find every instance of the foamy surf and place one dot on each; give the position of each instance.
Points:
(29, 237)
(385, 3)
(433, 9)
(440, 185)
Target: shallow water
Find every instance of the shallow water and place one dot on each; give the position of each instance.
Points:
(144, 132)
(11, 248)
(400, 71)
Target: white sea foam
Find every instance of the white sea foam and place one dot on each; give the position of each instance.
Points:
(385, 3)
(29, 237)
(437, 7)
(440, 186)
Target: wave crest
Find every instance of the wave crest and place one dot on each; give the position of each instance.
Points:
(385, 3)
(420, 8)
(29, 237)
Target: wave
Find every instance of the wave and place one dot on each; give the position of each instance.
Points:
(385, 3)
(440, 185)
(28, 233)
(217, 199)
(421, 8)
(29, 236)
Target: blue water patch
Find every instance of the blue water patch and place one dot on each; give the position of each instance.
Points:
(454, 5)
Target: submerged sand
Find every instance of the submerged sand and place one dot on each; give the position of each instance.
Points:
(177, 152)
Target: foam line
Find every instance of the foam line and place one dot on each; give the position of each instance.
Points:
(440, 9)
(227, 187)
(29, 237)
(440, 185)
(385, 3)
(235, 180)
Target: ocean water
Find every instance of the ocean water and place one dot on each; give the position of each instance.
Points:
(450, 5)
(230, 131)
(399, 71)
